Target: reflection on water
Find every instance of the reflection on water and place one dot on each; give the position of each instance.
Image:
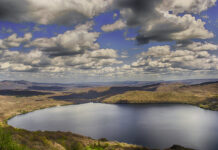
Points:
(155, 126)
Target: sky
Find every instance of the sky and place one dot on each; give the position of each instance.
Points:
(70, 41)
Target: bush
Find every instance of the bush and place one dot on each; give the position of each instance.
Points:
(103, 139)
(6, 142)
(77, 146)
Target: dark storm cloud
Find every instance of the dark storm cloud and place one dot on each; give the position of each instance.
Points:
(158, 20)
(139, 9)
(13, 10)
(61, 51)
(65, 12)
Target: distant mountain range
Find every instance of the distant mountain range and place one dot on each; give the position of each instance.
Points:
(22, 84)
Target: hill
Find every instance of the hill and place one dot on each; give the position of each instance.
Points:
(204, 95)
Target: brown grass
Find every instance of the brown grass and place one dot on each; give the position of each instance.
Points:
(204, 96)
(11, 105)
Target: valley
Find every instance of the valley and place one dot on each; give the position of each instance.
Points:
(14, 102)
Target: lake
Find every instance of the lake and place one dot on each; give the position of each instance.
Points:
(153, 125)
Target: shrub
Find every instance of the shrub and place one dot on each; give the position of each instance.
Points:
(6, 142)
(77, 146)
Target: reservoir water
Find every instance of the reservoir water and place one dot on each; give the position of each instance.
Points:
(154, 125)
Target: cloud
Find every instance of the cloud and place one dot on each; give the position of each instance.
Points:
(78, 52)
(71, 42)
(118, 25)
(60, 12)
(173, 28)
(159, 20)
(188, 6)
(124, 54)
(73, 51)
(198, 46)
(157, 51)
(156, 20)
(205, 16)
(160, 59)
(104, 53)
(97, 59)
(14, 41)
(26, 62)
(130, 38)
(37, 61)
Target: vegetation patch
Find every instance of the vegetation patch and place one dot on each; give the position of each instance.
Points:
(7, 143)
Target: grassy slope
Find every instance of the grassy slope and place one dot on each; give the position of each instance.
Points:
(7, 143)
(204, 95)
(152, 97)
(18, 139)
(11, 105)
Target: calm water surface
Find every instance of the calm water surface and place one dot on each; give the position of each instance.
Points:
(154, 126)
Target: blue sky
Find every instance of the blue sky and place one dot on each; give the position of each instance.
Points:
(80, 41)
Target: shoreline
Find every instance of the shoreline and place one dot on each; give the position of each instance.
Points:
(26, 112)
(5, 125)
(86, 141)
(159, 103)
